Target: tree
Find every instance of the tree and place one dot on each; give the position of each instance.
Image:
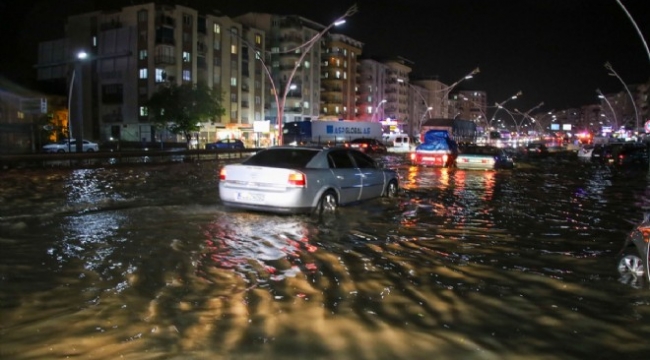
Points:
(181, 108)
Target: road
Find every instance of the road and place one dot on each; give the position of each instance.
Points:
(144, 262)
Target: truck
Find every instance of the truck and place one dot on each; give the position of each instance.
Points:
(328, 132)
(461, 131)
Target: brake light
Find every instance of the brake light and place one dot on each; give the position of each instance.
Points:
(222, 174)
(297, 179)
(364, 145)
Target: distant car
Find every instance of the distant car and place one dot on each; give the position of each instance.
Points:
(536, 150)
(293, 179)
(633, 154)
(585, 152)
(368, 146)
(225, 144)
(63, 146)
(474, 157)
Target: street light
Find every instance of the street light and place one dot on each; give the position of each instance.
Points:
(374, 114)
(526, 115)
(449, 88)
(500, 105)
(305, 48)
(609, 67)
(603, 97)
(78, 129)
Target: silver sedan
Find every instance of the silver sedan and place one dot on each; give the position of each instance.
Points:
(288, 179)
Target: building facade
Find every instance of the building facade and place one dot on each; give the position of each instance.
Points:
(134, 51)
(339, 79)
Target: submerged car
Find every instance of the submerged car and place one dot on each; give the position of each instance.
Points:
(634, 257)
(64, 146)
(437, 149)
(291, 179)
(536, 150)
(368, 146)
(483, 158)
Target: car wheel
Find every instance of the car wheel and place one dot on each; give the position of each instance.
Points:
(392, 189)
(631, 263)
(327, 203)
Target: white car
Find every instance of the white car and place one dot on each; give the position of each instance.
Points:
(63, 146)
(288, 179)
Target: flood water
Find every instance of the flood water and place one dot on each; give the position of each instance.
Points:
(144, 262)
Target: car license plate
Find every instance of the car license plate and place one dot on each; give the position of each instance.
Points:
(249, 197)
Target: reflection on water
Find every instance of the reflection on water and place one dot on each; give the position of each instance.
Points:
(146, 263)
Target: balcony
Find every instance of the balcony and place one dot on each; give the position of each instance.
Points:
(164, 60)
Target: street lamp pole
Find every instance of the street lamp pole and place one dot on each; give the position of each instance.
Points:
(307, 47)
(374, 114)
(78, 113)
(526, 115)
(603, 97)
(500, 105)
(452, 86)
(609, 67)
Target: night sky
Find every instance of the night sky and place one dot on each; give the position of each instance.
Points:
(552, 50)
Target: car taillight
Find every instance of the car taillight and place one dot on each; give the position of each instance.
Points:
(413, 156)
(364, 145)
(297, 179)
(222, 174)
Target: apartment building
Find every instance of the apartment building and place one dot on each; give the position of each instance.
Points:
(437, 99)
(340, 76)
(397, 89)
(137, 49)
(373, 81)
(294, 62)
(469, 105)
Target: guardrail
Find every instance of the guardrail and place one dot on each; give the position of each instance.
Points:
(116, 158)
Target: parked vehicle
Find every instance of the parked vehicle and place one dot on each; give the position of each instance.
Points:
(536, 150)
(634, 257)
(398, 142)
(295, 179)
(328, 132)
(474, 157)
(225, 144)
(64, 146)
(437, 149)
(368, 146)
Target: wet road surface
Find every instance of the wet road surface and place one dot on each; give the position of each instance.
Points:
(143, 262)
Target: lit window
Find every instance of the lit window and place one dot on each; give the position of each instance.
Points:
(258, 39)
(142, 54)
(233, 81)
(307, 65)
(160, 75)
(336, 109)
(233, 49)
(338, 74)
(187, 75)
(186, 56)
(305, 105)
(143, 73)
(216, 29)
(144, 111)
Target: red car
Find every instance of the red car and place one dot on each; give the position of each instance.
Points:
(437, 149)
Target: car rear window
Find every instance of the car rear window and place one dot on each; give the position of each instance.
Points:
(282, 158)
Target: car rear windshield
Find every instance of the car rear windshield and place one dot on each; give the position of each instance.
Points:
(282, 158)
(480, 150)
